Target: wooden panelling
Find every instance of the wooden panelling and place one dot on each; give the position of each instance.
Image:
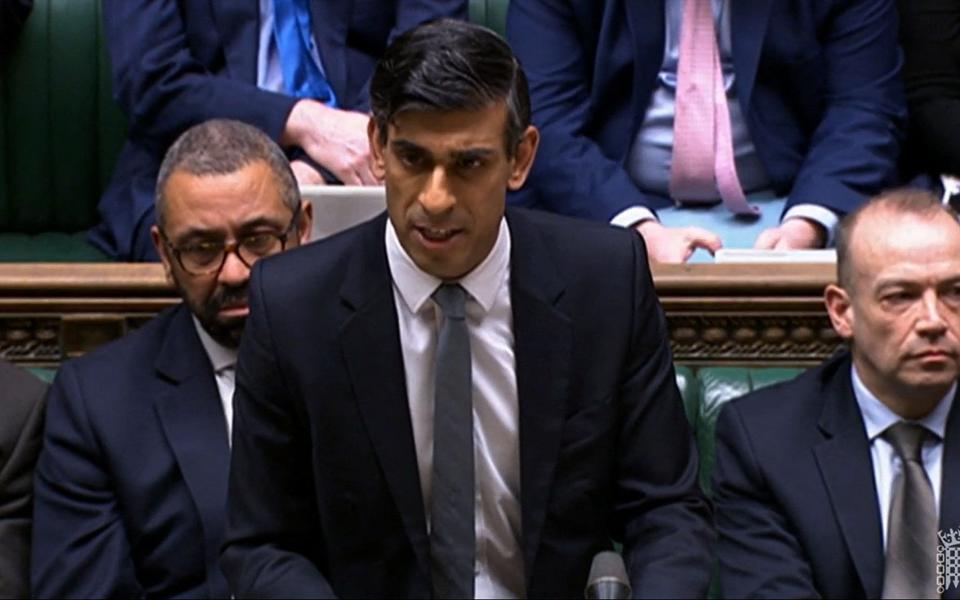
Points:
(717, 314)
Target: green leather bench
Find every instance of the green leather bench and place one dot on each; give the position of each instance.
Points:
(705, 391)
(60, 132)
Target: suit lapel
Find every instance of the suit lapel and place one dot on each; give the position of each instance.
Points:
(645, 24)
(192, 418)
(542, 342)
(847, 471)
(330, 21)
(370, 338)
(748, 28)
(239, 25)
(950, 480)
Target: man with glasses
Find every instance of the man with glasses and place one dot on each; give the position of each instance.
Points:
(132, 478)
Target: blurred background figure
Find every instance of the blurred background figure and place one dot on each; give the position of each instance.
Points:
(296, 69)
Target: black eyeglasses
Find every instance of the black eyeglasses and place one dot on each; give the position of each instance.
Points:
(207, 258)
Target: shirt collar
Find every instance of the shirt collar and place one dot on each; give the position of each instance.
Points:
(220, 356)
(877, 416)
(482, 283)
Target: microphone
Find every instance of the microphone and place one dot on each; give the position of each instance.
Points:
(608, 578)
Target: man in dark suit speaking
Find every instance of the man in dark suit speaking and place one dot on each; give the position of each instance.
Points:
(451, 399)
(836, 484)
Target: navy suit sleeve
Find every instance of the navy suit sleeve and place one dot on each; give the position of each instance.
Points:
(666, 519)
(854, 149)
(273, 539)
(571, 174)
(80, 548)
(760, 556)
(20, 435)
(163, 88)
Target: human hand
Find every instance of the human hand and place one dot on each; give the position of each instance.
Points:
(797, 233)
(676, 244)
(306, 174)
(336, 139)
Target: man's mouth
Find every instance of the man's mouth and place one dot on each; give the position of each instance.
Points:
(437, 234)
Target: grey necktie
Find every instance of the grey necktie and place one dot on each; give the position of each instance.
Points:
(910, 569)
(452, 536)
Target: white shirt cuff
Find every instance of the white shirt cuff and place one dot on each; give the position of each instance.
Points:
(630, 217)
(817, 214)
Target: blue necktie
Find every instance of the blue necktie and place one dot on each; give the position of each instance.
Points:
(302, 76)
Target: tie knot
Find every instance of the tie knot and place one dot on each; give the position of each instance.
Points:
(907, 439)
(450, 297)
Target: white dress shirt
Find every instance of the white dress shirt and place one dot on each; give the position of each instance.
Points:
(498, 571)
(224, 362)
(877, 418)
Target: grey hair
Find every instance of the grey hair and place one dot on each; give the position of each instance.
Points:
(221, 147)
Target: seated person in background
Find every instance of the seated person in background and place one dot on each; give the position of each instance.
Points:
(453, 364)
(930, 35)
(683, 107)
(21, 425)
(297, 70)
(831, 485)
(13, 14)
(132, 479)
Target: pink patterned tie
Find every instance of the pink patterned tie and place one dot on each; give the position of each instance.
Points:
(702, 143)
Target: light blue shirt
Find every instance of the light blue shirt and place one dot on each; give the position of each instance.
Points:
(651, 154)
(877, 418)
(269, 71)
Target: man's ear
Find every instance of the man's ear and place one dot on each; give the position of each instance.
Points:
(306, 221)
(523, 158)
(840, 310)
(163, 251)
(376, 150)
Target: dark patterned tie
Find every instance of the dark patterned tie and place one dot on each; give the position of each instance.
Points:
(910, 569)
(452, 536)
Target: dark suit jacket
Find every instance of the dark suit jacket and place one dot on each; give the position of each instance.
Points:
(21, 424)
(796, 503)
(178, 63)
(817, 80)
(324, 489)
(13, 13)
(930, 35)
(131, 482)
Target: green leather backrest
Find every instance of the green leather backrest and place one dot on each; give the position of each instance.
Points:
(717, 386)
(60, 130)
(490, 13)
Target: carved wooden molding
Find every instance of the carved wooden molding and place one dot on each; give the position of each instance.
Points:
(716, 314)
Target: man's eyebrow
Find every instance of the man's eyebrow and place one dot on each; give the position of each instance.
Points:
(407, 146)
(195, 233)
(906, 282)
(472, 153)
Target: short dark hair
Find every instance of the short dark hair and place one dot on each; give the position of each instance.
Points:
(902, 201)
(447, 65)
(221, 147)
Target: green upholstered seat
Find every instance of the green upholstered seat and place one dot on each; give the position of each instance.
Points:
(718, 385)
(43, 373)
(48, 247)
(490, 13)
(60, 133)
